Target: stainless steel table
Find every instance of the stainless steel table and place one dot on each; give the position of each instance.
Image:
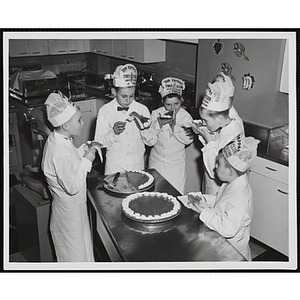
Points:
(185, 238)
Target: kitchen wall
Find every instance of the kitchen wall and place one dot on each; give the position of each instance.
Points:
(263, 104)
(180, 61)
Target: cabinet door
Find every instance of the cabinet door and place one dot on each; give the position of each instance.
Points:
(38, 47)
(75, 46)
(58, 47)
(87, 132)
(18, 48)
(96, 46)
(107, 47)
(146, 51)
(120, 48)
(270, 212)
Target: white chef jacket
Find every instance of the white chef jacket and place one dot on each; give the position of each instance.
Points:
(65, 170)
(211, 150)
(231, 213)
(168, 155)
(126, 150)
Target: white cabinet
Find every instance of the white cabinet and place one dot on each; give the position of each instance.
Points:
(38, 47)
(75, 46)
(58, 47)
(143, 51)
(89, 109)
(96, 46)
(18, 48)
(104, 47)
(107, 47)
(146, 51)
(120, 49)
(269, 183)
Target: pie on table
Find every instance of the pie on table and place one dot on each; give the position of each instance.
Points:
(151, 207)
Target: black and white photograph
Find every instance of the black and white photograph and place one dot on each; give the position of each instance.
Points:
(149, 150)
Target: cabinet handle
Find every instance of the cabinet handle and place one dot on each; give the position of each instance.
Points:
(131, 57)
(23, 52)
(123, 55)
(105, 51)
(61, 51)
(271, 169)
(36, 52)
(73, 50)
(282, 192)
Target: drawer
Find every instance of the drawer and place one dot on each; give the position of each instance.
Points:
(84, 105)
(270, 169)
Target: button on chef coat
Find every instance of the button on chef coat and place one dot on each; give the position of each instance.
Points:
(65, 170)
(168, 155)
(126, 150)
(231, 213)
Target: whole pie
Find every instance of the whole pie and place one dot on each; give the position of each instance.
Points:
(151, 207)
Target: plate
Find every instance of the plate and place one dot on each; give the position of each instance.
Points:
(123, 188)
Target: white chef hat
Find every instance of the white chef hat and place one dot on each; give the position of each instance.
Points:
(216, 98)
(170, 85)
(226, 82)
(218, 93)
(59, 109)
(241, 152)
(125, 76)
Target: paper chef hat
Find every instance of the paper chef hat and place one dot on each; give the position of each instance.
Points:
(125, 76)
(218, 93)
(170, 85)
(59, 109)
(226, 82)
(241, 152)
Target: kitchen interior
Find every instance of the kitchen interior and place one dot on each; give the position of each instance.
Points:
(82, 69)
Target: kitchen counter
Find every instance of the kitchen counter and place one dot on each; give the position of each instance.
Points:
(185, 238)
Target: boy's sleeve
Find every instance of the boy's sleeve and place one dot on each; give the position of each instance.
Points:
(104, 133)
(179, 132)
(149, 136)
(70, 175)
(227, 222)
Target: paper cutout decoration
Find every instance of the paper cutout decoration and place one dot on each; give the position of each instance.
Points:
(218, 47)
(226, 69)
(239, 50)
(248, 82)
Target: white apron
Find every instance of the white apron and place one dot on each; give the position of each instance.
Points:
(168, 155)
(66, 171)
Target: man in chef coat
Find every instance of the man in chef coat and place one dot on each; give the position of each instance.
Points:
(124, 139)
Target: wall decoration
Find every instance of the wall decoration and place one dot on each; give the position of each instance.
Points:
(226, 69)
(218, 47)
(248, 82)
(239, 50)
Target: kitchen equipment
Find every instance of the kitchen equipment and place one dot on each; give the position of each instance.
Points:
(33, 87)
(15, 159)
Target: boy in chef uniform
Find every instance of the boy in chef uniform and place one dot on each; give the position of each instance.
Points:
(117, 130)
(230, 211)
(221, 124)
(168, 155)
(65, 168)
